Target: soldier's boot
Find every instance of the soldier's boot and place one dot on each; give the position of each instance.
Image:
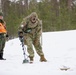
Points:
(31, 59)
(1, 56)
(42, 58)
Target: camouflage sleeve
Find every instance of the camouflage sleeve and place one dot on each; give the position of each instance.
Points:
(23, 25)
(20, 29)
(24, 21)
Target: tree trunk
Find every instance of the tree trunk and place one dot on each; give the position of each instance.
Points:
(55, 7)
(70, 4)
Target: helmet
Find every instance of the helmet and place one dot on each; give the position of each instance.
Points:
(1, 13)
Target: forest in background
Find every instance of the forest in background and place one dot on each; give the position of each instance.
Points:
(56, 15)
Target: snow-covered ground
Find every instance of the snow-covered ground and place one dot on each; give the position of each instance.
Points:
(59, 49)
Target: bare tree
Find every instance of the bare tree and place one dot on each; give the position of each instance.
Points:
(5, 6)
(66, 3)
(26, 4)
(70, 4)
(0, 6)
(55, 7)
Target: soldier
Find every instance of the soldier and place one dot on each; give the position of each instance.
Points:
(3, 34)
(31, 27)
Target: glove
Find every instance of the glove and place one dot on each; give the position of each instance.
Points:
(20, 34)
(7, 35)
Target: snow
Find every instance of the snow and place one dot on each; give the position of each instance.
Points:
(59, 49)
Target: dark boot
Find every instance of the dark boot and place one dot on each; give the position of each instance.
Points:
(42, 58)
(31, 59)
(1, 56)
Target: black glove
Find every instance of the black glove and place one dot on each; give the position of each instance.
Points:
(7, 35)
(20, 34)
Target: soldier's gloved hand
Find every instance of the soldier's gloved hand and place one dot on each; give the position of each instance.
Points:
(20, 34)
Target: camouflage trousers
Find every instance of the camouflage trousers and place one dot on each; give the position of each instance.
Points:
(33, 43)
(2, 42)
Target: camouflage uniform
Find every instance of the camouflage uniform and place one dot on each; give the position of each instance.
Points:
(32, 28)
(2, 36)
(2, 43)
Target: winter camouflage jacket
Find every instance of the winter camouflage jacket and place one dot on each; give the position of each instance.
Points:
(31, 25)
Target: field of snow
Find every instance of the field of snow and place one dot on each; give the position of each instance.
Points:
(59, 49)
